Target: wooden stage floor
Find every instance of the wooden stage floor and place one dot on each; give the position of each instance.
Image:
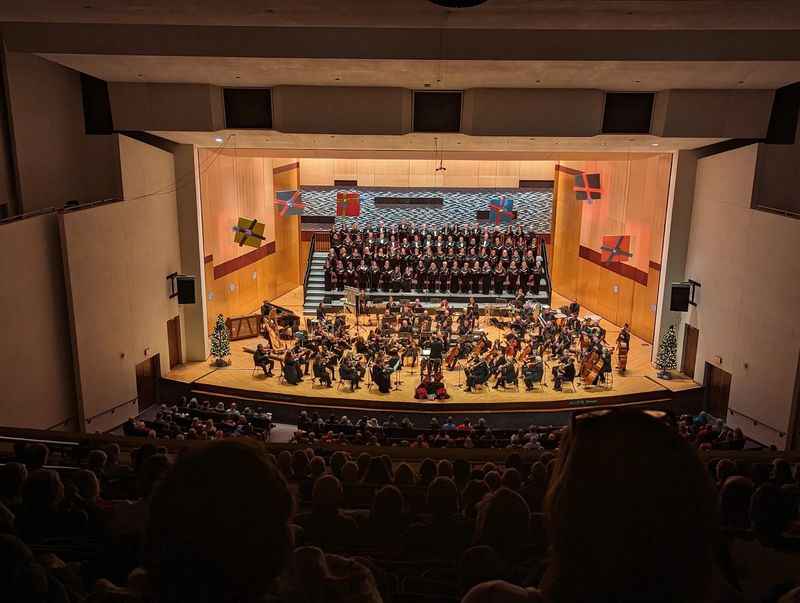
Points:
(237, 380)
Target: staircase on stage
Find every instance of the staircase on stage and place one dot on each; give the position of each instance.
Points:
(315, 291)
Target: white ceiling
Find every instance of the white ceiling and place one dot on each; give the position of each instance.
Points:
(522, 14)
(418, 74)
(422, 145)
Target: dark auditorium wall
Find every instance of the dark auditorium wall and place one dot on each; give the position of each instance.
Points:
(56, 161)
(36, 356)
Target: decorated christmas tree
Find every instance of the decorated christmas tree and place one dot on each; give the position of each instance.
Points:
(220, 341)
(666, 359)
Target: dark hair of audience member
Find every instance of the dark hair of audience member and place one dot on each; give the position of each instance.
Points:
(350, 473)
(478, 564)
(503, 523)
(377, 473)
(337, 461)
(404, 475)
(12, 478)
(461, 472)
(387, 506)
(631, 514)
(442, 498)
(151, 471)
(36, 456)
(782, 472)
(734, 502)
(514, 461)
(512, 479)
(769, 514)
(22, 579)
(218, 528)
(427, 472)
(472, 494)
(363, 464)
(299, 465)
(43, 490)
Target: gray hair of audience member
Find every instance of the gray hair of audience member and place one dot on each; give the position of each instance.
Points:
(96, 460)
(244, 505)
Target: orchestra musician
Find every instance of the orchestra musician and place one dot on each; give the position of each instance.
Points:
(350, 370)
(381, 375)
(532, 372)
(623, 345)
(564, 371)
(291, 370)
(477, 373)
(507, 373)
(321, 368)
(262, 360)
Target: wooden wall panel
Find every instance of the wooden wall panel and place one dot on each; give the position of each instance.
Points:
(422, 172)
(566, 236)
(634, 202)
(643, 315)
(233, 184)
(252, 185)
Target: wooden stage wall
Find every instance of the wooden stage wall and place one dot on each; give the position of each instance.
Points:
(240, 182)
(634, 203)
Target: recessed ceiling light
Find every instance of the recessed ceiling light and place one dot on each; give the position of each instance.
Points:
(637, 81)
(653, 144)
(538, 81)
(741, 82)
(217, 139)
(139, 75)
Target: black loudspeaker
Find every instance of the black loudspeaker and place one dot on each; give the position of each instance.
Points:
(248, 108)
(185, 286)
(679, 297)
(437, 111)
(627, 112)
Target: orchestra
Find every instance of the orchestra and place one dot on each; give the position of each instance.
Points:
(534, 341)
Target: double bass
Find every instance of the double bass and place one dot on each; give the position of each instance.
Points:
(595, 368)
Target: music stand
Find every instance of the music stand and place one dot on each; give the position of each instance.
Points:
(396, 371)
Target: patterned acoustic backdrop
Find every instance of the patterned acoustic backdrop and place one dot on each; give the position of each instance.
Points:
(534, 207)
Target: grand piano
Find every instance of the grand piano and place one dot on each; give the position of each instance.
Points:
(245, 327)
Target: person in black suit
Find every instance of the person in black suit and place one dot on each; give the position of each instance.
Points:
(478, 373)
(262, 360)
(438, 350)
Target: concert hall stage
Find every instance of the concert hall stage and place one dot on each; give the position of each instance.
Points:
(238, 382)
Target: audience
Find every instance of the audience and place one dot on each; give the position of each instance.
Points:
(591, 521)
